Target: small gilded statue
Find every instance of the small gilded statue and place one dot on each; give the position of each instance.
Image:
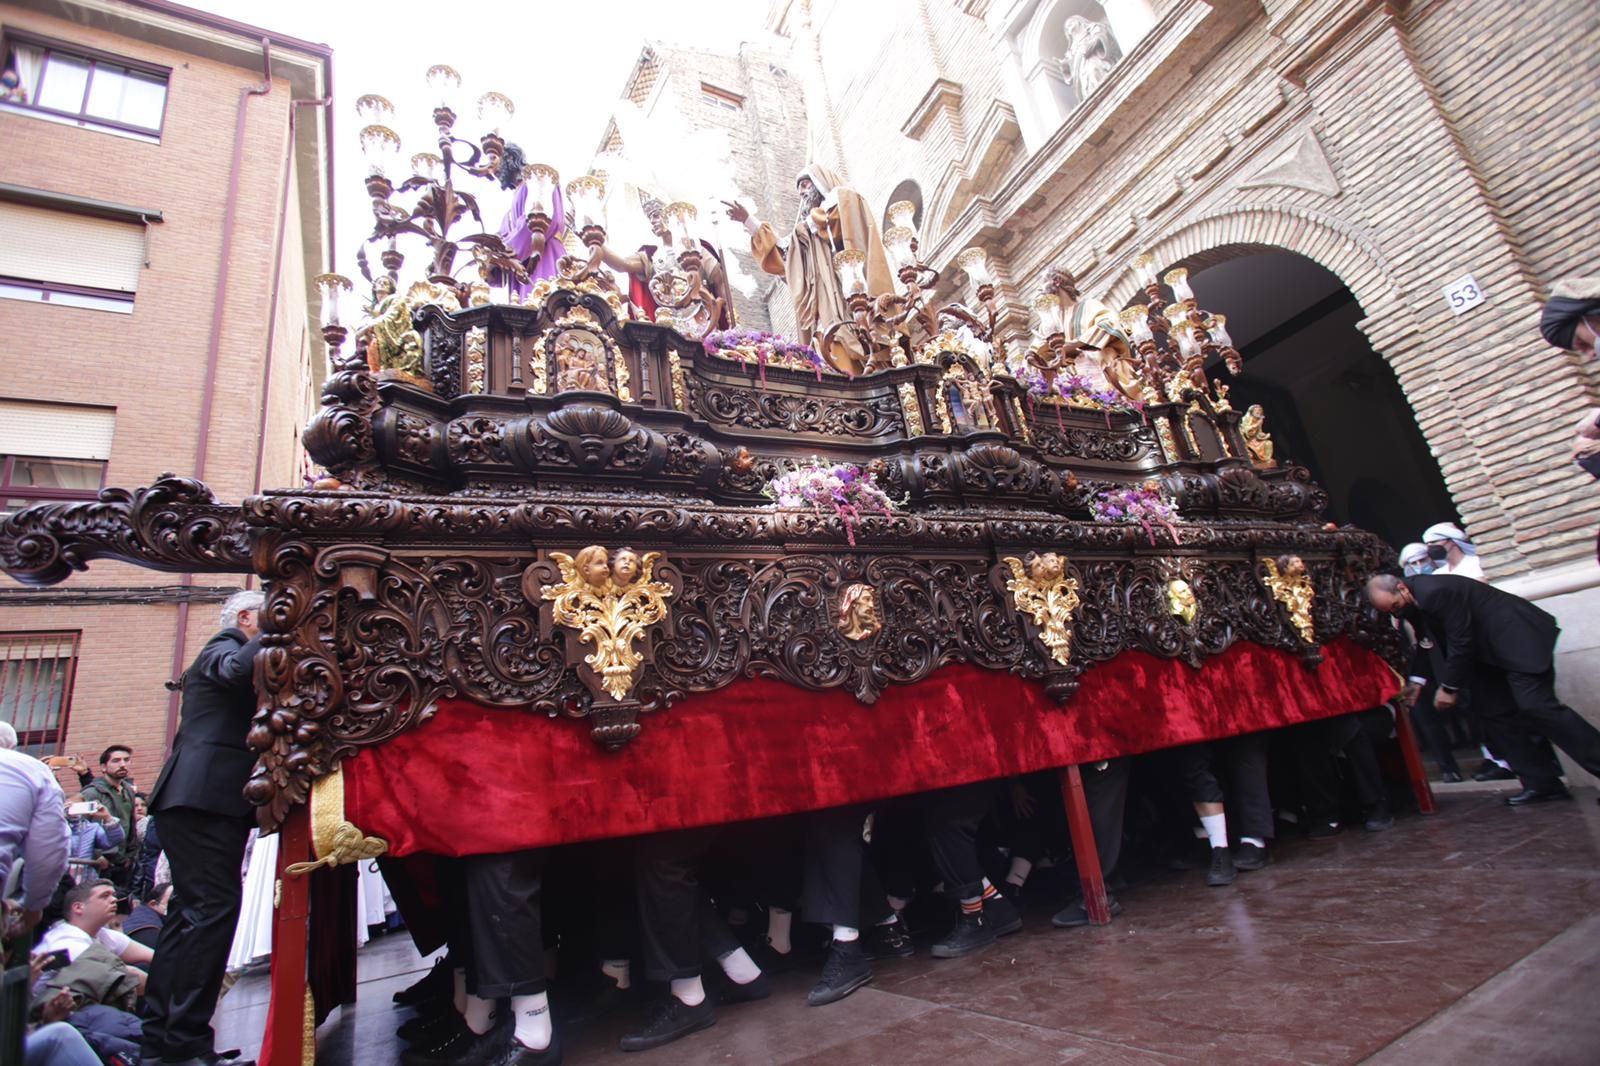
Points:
(1290, 585)
(858, 612)
(391, 342)
(1041, 589)
(580, 363)
(1257, 441)
(611, 600)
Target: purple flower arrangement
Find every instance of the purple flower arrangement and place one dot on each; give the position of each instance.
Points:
(1142, 504)
(840, 488)
(1074, 389)
(763, 347)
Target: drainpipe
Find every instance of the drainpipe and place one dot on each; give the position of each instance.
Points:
(213, 355)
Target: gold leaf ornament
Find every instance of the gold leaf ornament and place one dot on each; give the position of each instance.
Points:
(1041, 589)
(610, 601)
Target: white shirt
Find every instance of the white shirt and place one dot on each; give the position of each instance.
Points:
(63, 936)
(1467, 567)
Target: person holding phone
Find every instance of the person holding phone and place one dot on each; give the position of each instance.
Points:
(95, 832)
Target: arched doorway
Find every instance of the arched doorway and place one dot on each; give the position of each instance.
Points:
(1333, 404)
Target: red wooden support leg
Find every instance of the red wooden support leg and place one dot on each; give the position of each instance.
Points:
(286, 1017)
(1084, 850)
(1413, 759)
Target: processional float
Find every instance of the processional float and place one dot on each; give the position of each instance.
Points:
(614, 560)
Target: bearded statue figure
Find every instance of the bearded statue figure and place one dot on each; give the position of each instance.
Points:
(392, 343)
(1090, 54)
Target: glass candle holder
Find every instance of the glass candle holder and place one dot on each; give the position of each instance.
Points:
(975, 261)
(1136, 323)
(374, 110)
(586, 202)
(542, 183)
(1178, 280)
(680, 218)
(1047, 306)
(904, 213)
(851, 265)
(380, 147)
(1144, 268)
(1217, 326)
(427, 166)
(333, 289)
(444, 85)
(495, 110)
(897, 242)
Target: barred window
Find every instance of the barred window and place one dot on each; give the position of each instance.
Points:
(36, 675)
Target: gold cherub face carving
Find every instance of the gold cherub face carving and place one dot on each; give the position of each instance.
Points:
(594, 567)
(858, 612)
(1046, 567)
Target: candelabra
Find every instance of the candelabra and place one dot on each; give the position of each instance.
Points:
(1052, 350)
(1175, 340)
(440, 205)
(886, 327)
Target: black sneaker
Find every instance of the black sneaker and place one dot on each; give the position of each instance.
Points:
(1323, 830)
(1247, 857)
(437, 983)
(1075, 914)
(845, 971)
(888, 942)
(970, 934)
(1222, 871)
(515, 1053)
(425, 1027)
(731, 991)
(462, 1047)
(1002, 916)
(671, 1020)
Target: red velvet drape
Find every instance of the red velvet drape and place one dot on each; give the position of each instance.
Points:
(478, 779)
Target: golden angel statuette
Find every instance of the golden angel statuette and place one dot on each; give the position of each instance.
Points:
(610, 600)
(1290, 585)
(1041, 589)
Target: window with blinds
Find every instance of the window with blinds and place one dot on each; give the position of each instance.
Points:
(36, 675)
(52, 452)
(61, 257)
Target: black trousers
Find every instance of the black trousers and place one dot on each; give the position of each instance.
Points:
(1242, 761)
(1433, 731)
(1317, 747)
(1105, 791)
(678, 926)
(838, 886)
(206, 851)
(952, 819)
(1511, 705)
(496, 923)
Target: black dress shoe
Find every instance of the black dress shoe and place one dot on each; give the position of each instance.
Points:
(1493, 772)
(437, 983)
(1249, 857)
(516, 1054)
(1538, 795)
(1222, 871)
(1450, 777)
(1322, 829)
(1002, 916)
(845, 971)
(424, 1027)
(1075, 914)
(888, 942)
(671, 1020)
(970, 934)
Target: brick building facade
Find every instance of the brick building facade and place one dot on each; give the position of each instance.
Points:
(149, 134)
(1325, 169)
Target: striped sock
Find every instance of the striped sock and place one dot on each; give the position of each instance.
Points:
(972, 906)
(989, 891)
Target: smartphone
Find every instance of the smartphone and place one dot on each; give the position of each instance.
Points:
(78, 810)
(56, 960)
(60, 762)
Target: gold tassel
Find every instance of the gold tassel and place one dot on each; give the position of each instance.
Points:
(334, 840)
(308, 1033)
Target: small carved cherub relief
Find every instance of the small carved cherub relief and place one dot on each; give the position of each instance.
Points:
(1045, 568)
(594, 567)
(625, 567)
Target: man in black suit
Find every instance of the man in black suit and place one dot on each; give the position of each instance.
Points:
(205, 821)
(1504, 647)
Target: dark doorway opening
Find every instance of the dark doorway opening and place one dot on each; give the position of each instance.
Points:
(1332, 403)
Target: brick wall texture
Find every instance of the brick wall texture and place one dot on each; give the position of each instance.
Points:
(151, 365)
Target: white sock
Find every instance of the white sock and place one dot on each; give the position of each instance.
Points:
(479, 1014)
(533, 1020)
(898, 903)
(459, 996)
(845, 933)
(1020, 869)
(986, 885)
(1216, 827)
(619, 970)
(1257, 841)
(778, 924)
(689, 991)
(739, 966)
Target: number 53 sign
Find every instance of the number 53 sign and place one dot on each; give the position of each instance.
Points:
(1463, 294)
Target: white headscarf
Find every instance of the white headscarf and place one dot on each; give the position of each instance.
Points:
(1448, 531)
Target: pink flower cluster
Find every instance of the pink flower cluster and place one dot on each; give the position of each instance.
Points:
(764, 346)
(1141, 504)
(841, 488)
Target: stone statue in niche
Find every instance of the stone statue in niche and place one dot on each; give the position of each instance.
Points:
(858, 612)
(1090, 54)
(977, 400)
(580, 362)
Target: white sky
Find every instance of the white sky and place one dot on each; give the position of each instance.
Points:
(562, 64)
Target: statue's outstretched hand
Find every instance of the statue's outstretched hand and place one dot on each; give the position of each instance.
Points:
(736, 211)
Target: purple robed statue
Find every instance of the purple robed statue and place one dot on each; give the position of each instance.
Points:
(516, 235)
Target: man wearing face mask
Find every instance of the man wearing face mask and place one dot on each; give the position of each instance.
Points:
(1451, 552)
(1504, 647)
(1571, 321)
